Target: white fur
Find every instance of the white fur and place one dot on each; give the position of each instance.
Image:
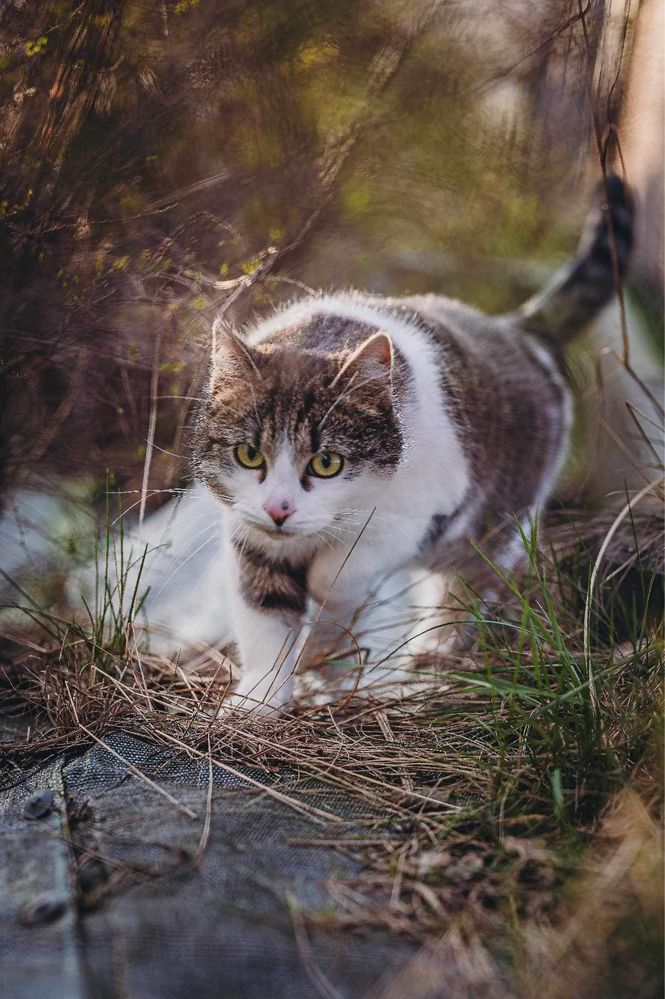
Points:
(269, 647)
(390, 515)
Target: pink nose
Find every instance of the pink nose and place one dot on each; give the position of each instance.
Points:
(279, 510)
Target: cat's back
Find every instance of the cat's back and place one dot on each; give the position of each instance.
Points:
(507, 394)
(491, 341)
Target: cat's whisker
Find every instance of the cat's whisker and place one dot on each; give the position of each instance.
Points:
(149, 492)
(244, 537)
(171, 454)
(321, 534)
(373, 533)
(362, 515)
(181, 521)
(190, 398)
(180, 493)
(347, 530)
(341, 541)
(192, 539)
(349, 519)
(178, 568)
(347, 514)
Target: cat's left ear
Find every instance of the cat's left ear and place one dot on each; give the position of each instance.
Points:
(373, 359)
(230, 355)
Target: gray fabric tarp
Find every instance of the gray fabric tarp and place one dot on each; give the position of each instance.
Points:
(109, 894)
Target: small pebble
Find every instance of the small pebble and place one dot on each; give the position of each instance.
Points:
(44, 909)
(38, 804)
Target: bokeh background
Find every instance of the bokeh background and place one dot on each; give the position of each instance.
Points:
(163, 161)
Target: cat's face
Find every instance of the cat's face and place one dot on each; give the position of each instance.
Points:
(298, 443)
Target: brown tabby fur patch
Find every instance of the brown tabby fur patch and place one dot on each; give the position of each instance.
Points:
(271, 584)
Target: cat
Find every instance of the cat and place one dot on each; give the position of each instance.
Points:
(350, 437)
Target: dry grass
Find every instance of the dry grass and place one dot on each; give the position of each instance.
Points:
(508, 807)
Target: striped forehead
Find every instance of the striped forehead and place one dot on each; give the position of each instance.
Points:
(292, 396)
(287, 436)
(287, 423)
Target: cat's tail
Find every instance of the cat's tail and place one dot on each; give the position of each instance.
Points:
(577, 293)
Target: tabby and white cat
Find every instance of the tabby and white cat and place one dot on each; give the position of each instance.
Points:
(349, 438)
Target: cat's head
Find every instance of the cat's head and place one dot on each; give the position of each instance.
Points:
(299, 442)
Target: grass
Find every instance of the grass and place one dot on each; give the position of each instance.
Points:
(510, 802)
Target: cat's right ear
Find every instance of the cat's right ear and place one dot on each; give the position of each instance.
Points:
(373, 359)
(231, 356)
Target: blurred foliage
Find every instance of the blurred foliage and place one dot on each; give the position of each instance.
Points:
(162, 160)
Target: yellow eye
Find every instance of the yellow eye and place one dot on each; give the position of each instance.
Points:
(248, 456)
(325, 464)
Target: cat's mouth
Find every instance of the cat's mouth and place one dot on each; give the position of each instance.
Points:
(281, 535)
(276, 533)
(273, 532)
